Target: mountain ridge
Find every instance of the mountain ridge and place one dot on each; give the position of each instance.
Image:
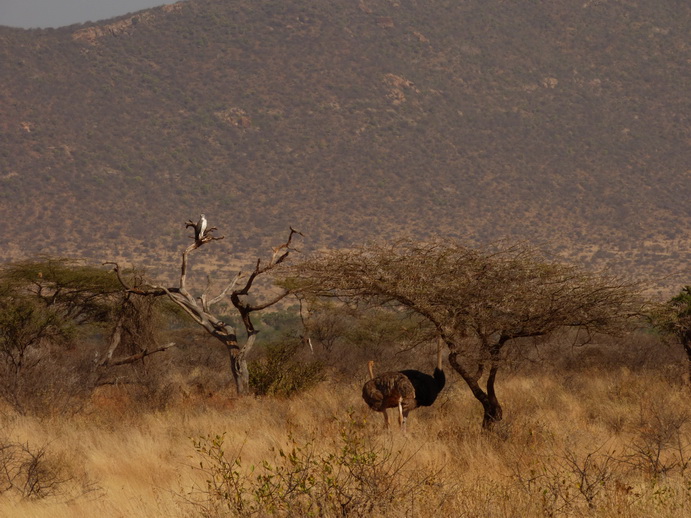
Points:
(558, 124)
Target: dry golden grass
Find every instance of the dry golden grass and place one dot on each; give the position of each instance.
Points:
(580, 444)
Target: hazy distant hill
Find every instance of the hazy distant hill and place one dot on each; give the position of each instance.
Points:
(561, 122)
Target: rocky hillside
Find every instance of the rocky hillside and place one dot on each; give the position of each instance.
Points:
(564, 123)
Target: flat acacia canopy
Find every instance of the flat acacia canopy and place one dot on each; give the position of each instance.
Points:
(478, 300)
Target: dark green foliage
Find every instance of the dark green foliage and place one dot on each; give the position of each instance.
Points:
(26, 328)
(44, 306)
(681, 305)
(674, 319)
(283, 371)
(275, 324)
(80, 293)
(25, 324)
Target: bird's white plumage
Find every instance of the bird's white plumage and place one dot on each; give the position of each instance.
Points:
(200, 227)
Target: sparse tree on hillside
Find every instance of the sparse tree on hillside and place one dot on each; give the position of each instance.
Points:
(479, 301)
(201, 308)
(674, 318)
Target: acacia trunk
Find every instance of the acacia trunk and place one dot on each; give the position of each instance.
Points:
(490, 404)
(493, 411)
(686, 341)
(238, 367)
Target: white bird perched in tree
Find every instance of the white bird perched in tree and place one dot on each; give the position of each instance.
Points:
(200, 228)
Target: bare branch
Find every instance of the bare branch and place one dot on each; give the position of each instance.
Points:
(271, 302)
(225, 291)
(139, 356)
(275, 258)
(183, 265)
(152, 291)
(116, 269)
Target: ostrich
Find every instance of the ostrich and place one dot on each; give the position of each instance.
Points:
(407, 390)
(389, 390)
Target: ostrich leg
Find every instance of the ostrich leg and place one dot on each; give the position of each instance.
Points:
(402, 417)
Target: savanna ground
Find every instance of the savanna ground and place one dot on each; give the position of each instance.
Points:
(602, 430)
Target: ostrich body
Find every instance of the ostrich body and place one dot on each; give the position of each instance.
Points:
(389, 390)
(407, 390)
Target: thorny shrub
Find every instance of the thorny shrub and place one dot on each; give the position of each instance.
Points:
(357, 476)
(660, 445)
(35, 473)
(567, 482)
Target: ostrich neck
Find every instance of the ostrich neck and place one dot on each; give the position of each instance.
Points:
(439, 378)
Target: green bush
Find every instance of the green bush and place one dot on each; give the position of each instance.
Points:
(280, 373)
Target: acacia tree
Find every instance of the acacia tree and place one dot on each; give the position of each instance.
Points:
(479, 301)
(25, 325)
(201, 308)
(43, 304)
(78, 293)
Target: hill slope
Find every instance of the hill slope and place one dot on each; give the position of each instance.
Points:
(564, 123)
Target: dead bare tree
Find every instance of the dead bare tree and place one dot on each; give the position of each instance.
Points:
(200, 309)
